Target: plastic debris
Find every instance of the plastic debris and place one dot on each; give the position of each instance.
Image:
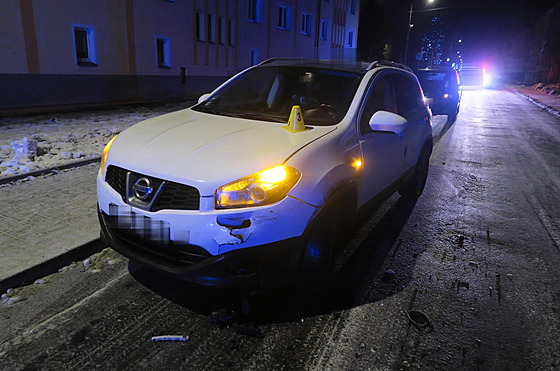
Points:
(41, 282)
(86, 262)
(170, 338)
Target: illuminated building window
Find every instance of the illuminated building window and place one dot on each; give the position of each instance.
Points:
(163, 52)
(84, 44)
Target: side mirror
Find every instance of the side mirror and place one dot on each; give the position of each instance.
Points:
(203, 97)
(388, 121)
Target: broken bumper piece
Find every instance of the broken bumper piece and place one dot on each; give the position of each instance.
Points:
(266, 265)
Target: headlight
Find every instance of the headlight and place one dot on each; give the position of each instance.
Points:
(105, 153)
(264, 187)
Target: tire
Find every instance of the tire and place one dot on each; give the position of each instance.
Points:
(330, 228)
(316, 268)
(452, 117)
(414, 186)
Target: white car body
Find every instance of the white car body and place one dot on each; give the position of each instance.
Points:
(207, 151)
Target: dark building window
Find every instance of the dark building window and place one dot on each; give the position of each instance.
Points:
(84, 43)
(305, 24)
(163, 52)
(324, 29)
(283, 18)
(255, 11)
(254, 57)
(211, 30)
(231, 32)
(199, 26)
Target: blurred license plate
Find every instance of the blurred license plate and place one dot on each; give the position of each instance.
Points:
(141, 225)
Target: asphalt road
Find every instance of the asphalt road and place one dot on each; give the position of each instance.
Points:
(478, 254)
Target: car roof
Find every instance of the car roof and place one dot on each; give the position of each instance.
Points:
(345, 65)
(437, 69)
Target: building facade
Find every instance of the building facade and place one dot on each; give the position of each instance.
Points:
(68, 52)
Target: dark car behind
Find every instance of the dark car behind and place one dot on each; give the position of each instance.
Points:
(442, 89)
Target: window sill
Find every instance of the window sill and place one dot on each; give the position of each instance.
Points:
(165, 67)
(87, 64)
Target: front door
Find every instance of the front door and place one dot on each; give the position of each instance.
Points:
(383, 152)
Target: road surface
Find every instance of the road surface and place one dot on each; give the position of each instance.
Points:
(478, 254)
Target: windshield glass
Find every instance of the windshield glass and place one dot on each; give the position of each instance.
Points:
(268, 94)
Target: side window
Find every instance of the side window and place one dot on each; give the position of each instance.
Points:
(407, 94)
(380, 97)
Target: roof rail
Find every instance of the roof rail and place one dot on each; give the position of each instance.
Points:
(278, 59)
(389, 64)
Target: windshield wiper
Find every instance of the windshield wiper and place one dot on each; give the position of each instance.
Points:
(257, 116)
(213, 111)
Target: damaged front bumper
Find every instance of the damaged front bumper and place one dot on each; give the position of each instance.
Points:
(223, 248)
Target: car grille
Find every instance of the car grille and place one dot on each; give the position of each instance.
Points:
(173, 195)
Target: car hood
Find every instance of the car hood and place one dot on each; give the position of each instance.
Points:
(205, 150)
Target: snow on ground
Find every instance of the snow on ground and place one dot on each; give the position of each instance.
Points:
(34, 142)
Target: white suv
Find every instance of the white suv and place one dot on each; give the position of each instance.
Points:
(254, 184)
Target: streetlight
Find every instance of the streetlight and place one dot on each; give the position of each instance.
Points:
(410, 25)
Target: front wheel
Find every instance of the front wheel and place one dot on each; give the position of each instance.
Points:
(318, 252)
(414, 186)
(332, 226)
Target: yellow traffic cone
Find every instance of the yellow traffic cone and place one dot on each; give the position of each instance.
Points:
(295, 121)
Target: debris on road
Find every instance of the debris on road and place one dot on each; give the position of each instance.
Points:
(419, 319)
(12, 300)
(170, 338)
(388, 275)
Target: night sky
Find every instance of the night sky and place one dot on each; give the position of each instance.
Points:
(484, 26)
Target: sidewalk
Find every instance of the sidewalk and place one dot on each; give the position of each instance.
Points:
(546, 101)
(46, 224)
(48, 217)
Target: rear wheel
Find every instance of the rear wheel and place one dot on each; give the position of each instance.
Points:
(414, 186)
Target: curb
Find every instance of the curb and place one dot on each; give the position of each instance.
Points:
(39, 172)
(52, 265)
(553, 111)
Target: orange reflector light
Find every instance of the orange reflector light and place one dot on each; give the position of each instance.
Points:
(445, 96)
